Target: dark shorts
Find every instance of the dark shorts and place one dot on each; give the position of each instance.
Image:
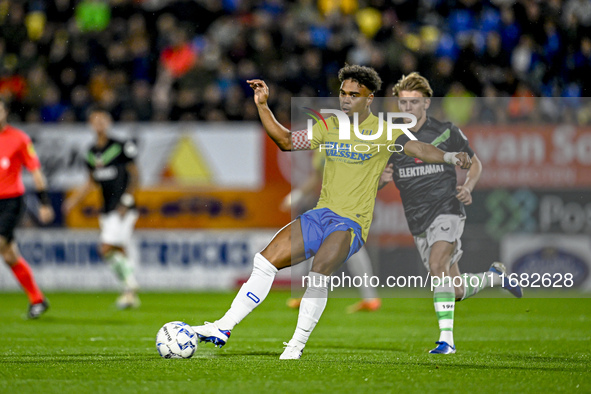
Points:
(11, 211)
(318, 224)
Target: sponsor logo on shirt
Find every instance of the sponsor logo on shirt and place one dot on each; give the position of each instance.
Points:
(420, 171)
(105, 173)
(346, 151)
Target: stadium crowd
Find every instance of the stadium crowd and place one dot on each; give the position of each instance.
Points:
(159, 60)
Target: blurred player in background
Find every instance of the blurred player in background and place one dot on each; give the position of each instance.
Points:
(338, 226)
(16, 151)
(434, 206)
(304, 198)
(111, 166)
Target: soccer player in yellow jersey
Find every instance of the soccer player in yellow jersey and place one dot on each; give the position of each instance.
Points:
(338, 226)
(359, 265)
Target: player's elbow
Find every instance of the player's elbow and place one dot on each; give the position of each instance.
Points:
(409, 149)
(284, 144)
(476, 167)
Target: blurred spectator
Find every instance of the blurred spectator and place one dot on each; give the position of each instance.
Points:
(52, 108)
(59, 11)
(37, 81)
(510, 30)
(441, 76)
(12, 84)
(28, 57)
(495, 60)
(459, 104)
(12, 26)
(93, 15)
(582, 66)
(580, 10)
(186, 106)
(523, 57)
(140, 104)
(491, 107)
(522, 104)
(80, 99)
(179, 56)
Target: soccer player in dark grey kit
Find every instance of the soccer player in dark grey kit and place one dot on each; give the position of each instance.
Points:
(434, 207)
(111, 166)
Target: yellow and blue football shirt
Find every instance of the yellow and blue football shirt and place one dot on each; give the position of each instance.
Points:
(353, 168)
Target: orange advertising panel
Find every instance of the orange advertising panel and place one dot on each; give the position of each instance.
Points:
(556, 156)
(196, 210)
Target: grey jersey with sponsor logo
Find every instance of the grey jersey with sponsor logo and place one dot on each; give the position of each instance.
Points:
(429, 190)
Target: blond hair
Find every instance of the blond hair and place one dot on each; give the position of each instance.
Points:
(413, 81)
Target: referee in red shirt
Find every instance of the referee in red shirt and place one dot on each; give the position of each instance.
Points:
(16, 151)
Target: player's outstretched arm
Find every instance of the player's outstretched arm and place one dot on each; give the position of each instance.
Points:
(431, 154)
(46, 213)
(78, 195)
(295, 197)
(464, 192)
(279, 134)
(134, 178)
(127, 199)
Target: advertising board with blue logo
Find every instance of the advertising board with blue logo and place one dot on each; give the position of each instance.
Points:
(164, 260)
(549, 261)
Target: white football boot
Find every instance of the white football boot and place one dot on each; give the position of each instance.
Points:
(210, 332)
(293, 351)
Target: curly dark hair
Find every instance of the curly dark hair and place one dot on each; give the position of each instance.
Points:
(363, 75)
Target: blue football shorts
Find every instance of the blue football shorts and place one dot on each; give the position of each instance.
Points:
(318, 224)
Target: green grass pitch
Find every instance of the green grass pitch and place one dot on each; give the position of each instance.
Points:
(84, 345)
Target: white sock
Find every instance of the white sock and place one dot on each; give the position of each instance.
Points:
(311, 308)
(298, 274)
(359, 265)
(251, 294)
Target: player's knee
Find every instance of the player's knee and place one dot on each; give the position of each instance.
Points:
(440, 261)
(4, 245)
(277, 256)
(438, 267)
(106, 249)
(328, 262)
(324, 268)
(9, 253)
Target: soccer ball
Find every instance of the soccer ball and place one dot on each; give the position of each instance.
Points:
(176, 340)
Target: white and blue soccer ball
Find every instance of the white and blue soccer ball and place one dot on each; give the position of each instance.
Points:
(176, 340)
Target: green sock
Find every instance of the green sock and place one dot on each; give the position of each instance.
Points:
(444, 299)
(122, 269)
